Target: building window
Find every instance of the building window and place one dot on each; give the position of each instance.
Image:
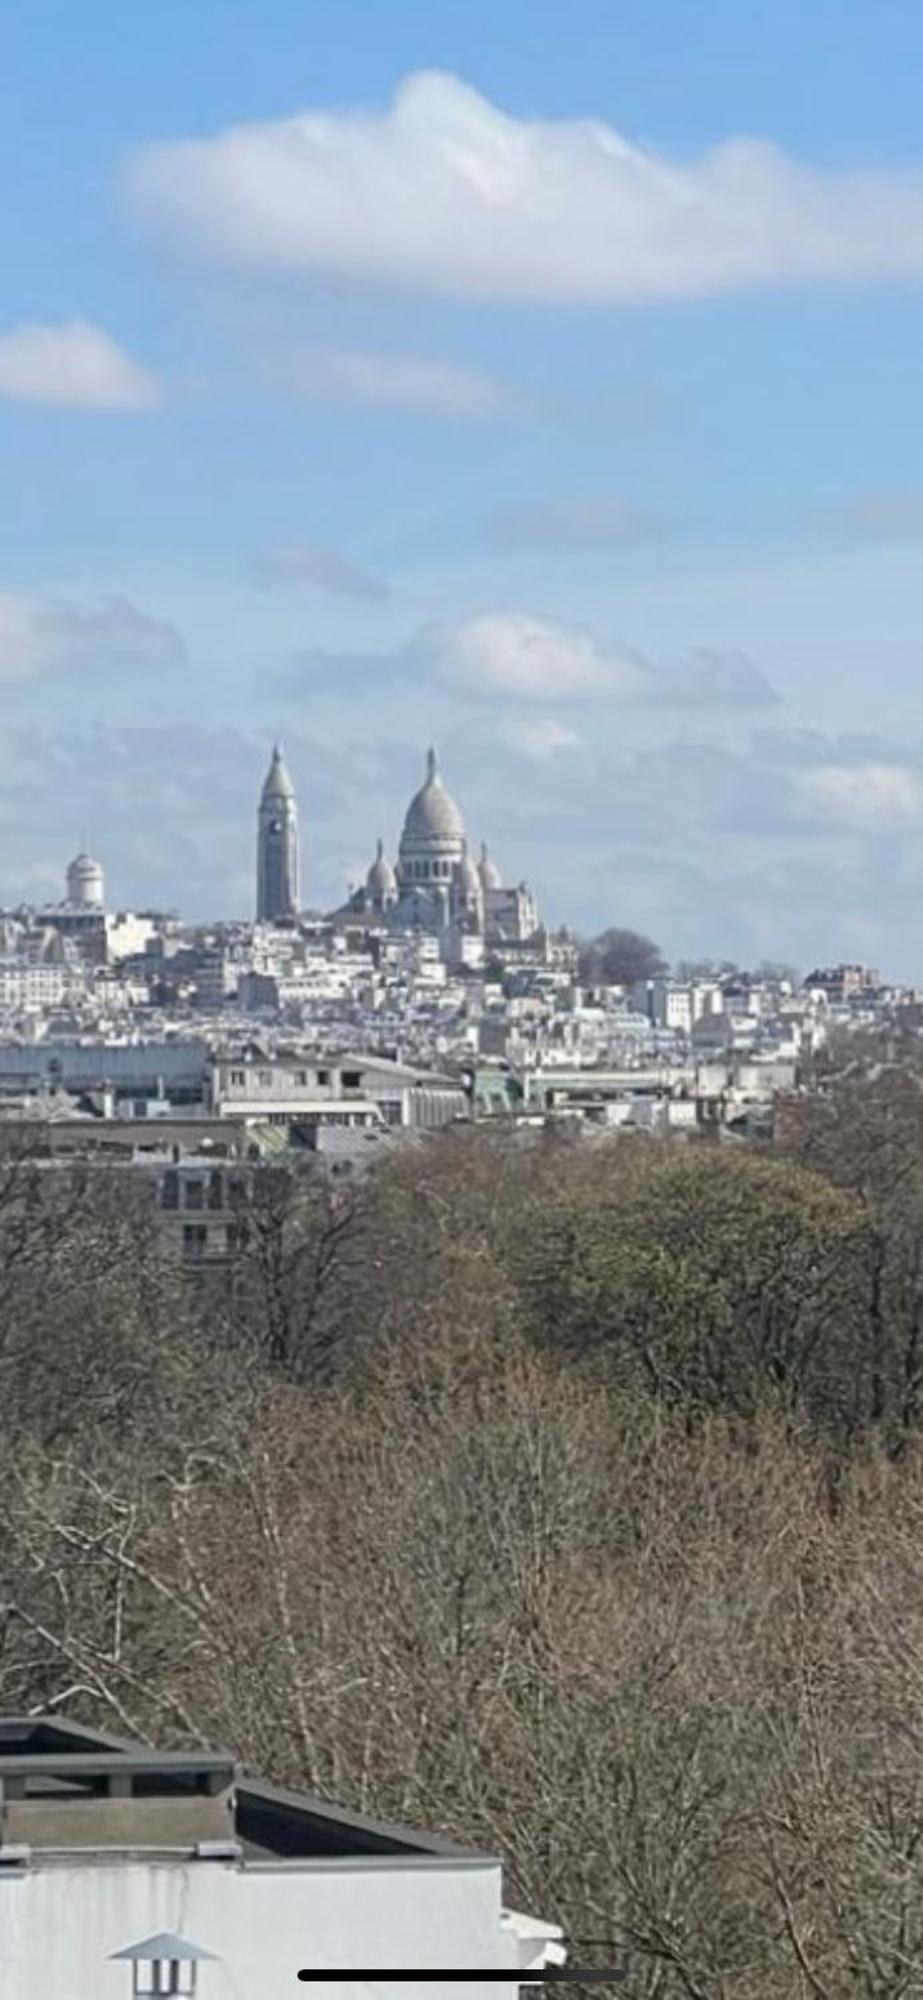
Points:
(301, 1077)
(238, 1076)
(265, 1079)
(216, 1188)
(323, 1076)
(194, 1195)
(169, 1190)
(352, 1079)
(195, 1238)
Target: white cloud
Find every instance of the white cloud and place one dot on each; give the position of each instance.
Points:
(75, 364)
(444, 190)
(868, 797)
(519, 656)
(513, 653)
(540, 737)
(310, 562)
(396, 381)
(39, 636)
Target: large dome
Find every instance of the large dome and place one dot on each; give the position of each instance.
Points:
(432, 813)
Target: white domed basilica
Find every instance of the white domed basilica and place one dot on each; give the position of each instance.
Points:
(436, 887)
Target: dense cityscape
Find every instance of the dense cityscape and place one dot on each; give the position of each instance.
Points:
(435, 994)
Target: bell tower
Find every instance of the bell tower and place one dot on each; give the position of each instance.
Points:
(277, 846)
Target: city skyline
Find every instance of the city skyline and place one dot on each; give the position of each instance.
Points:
(626, 517)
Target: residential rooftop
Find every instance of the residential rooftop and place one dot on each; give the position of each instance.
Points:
(69, 1790)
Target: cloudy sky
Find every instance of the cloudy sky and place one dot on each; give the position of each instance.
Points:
(540, 381)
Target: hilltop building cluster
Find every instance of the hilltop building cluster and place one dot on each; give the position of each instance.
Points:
(436, 887)
(192, 1053)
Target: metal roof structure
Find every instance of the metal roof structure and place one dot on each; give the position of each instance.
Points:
(164, 1944)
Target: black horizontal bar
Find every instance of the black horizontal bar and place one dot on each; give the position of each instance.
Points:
(609, 1975)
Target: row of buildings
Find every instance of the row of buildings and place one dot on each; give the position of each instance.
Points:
(192, 1054)
(381, 1050)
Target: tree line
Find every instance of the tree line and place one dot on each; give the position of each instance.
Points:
(567, 1497)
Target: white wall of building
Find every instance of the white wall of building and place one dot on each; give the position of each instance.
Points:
(60, 1923)
(24, 985)
(127, 935)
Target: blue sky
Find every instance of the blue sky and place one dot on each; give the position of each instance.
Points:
(546, 385)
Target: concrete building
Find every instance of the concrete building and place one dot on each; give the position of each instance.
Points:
(294, 1090)
(126, 1872)
(841, 983)
(277, 860)
(133, 1071)
(31, 986)
(101, 937)
(510, 915)
(669, 1003)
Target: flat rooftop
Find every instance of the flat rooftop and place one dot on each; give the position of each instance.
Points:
(66, 1788)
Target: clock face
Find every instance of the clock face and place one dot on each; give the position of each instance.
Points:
(275, 826)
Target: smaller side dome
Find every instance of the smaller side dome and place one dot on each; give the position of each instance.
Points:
(381, 879)
(466, 876)
(488, 871)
